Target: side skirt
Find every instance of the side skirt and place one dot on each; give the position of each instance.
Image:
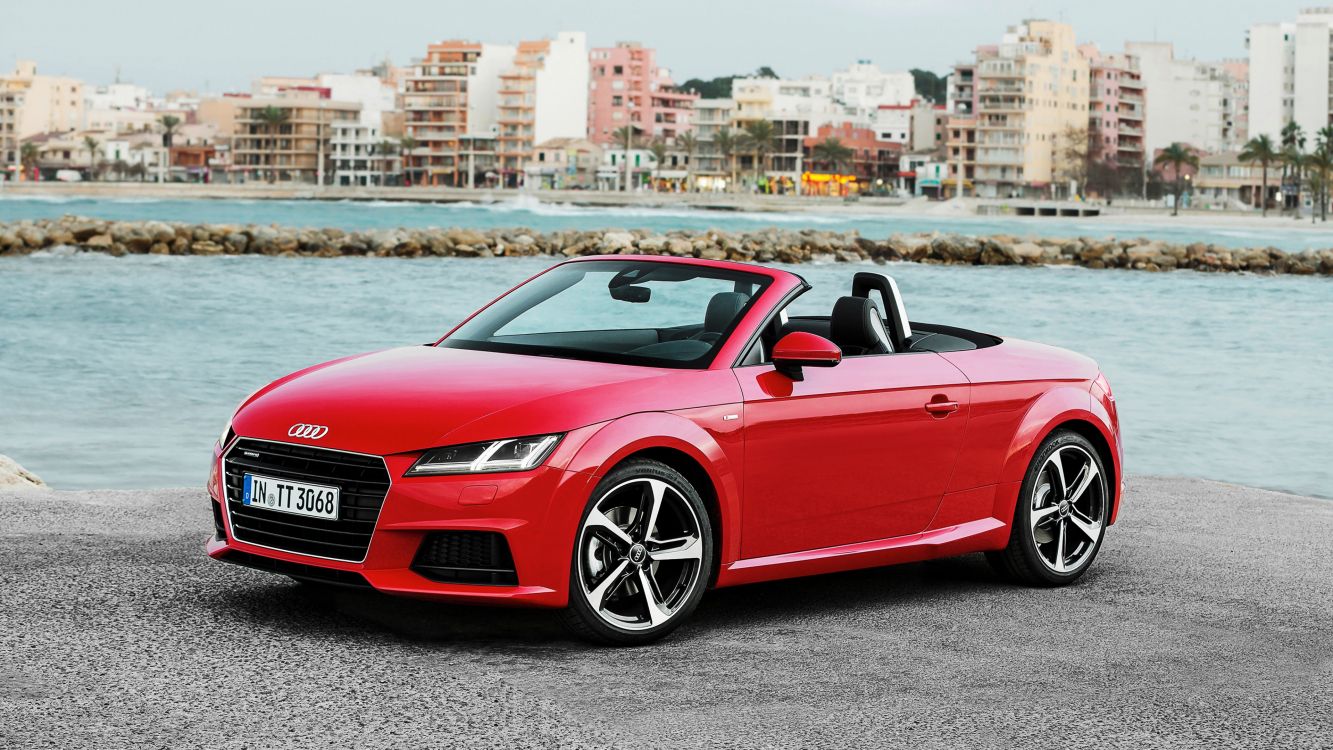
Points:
(973, 536)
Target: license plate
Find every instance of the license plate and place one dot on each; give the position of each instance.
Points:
(298, 498)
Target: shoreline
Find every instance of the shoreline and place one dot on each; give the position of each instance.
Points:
(721, 204)
(119, 238)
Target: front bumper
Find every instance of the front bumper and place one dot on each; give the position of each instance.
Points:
(537, 512)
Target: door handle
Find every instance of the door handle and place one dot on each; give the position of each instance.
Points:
(942, 408)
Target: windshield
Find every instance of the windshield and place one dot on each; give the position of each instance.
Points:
(631, 312)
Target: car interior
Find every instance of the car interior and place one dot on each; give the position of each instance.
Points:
(860, 327)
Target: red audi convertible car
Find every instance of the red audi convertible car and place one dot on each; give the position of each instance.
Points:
(617, 435)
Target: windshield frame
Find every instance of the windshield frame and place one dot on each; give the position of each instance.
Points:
(762, 279)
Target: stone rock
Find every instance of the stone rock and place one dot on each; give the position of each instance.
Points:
(15, 477)
(615, 242)
(1029, 252)
(99, 242)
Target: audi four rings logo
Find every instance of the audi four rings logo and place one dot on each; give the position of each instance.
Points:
(307, 431)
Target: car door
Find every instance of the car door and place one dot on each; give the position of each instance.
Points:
(851, 453)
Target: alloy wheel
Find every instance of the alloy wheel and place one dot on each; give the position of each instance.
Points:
(1068, 511)
(640, 554)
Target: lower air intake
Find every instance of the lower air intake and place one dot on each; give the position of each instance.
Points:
(478, 557)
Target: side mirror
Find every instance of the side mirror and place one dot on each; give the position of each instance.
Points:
(800, 349)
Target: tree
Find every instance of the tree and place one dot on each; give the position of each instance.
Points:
(385, 149)
(930, 86)
(689, 144)
(1075, 149)
(273, 118)
(94, 149)
(169, 124)
(759, 142)
(658, 148)
(728, 142)
(405, 145)
(832, 154)
(1262, 150)
(29, 155)
(627, 137)
(720, 87)
(1293, 147)
(1318, 165)
(1177, 156)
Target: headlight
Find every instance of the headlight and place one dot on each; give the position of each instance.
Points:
(225, 437)
(514, 454)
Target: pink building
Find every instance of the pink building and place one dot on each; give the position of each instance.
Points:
(629, 89)
(1115, 106)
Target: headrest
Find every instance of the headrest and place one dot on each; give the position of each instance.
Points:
(722, 310)
(857, 328)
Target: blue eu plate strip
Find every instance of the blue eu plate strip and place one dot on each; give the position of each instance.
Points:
(245, 497)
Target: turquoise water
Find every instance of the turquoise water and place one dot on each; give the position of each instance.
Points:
(1287, 234)
(119, 372)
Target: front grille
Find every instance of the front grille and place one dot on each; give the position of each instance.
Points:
(466, 557)
(297, 570)
(363, 482)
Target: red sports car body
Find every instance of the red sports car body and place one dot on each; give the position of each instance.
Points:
(744, 444)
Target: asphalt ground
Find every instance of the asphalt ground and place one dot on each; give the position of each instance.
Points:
(1206, 622)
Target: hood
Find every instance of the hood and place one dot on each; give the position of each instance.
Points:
(420, 397)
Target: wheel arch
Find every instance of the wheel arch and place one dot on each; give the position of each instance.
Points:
(686, 447)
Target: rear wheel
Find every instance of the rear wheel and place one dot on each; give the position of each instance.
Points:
(641, 558)
(1061, 514)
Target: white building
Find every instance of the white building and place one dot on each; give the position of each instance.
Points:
(1289, 73)
(863, 88)
(1188, 101)
(119, 96)
(374, 95)
(359, 155)
(561, 108)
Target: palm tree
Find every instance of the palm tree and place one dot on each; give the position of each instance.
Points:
(1262, 150)
(169, 124)
(29, 155)
(658, 149)
(832, 153)
(405, 146)
(1320, 163)
(759, 139)
(94, 149)
(627, 137)
(1177, 156)
(1293, 146)
(689, 144)
(385, 149)
(272, 117)
(728, 143)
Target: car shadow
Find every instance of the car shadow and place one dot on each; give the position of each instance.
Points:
(277, 602)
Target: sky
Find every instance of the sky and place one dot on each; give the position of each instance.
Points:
(212, 47)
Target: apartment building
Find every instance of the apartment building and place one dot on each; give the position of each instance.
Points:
(1289, 73)
(1188, 101)
(628, 88)
(1029, 91)
(297, 148)
(450, 104)
(543, 95)
(918, 126)
(1116, 107)
(711, 169)
(32, 103)
(362, 156)
(863, 88)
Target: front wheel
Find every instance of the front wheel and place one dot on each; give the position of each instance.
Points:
(642, 556)
(1061, 515)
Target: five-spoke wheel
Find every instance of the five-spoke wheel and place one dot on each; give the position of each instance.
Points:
(642, 555)
(1061, 514)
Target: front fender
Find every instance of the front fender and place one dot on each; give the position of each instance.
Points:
(1058, 406)
(702, 434)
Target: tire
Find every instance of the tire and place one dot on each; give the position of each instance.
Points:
(1060, 518)
(645, 530)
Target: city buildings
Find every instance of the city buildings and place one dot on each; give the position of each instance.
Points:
(1027, 92)
(32, 103)
(1188, 101)
(712, 167)
(627, 88)
(362, 156)
(287, 138)
(543, 95)
(863, 88)
(564, 163)
(871, 163)
(1116, 108)
(1289, 73)
(1224, 180)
